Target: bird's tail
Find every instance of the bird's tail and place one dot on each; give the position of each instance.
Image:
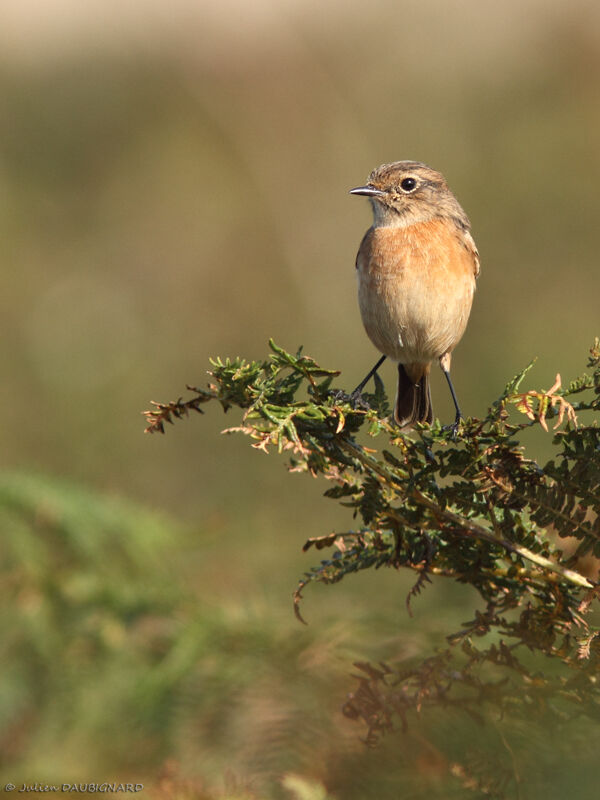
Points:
(413, 400)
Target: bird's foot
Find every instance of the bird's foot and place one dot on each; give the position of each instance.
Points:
(356, 399)
(454, 428)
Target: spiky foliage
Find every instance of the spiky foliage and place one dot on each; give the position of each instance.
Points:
(474, 509)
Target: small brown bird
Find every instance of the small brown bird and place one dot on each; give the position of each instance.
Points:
(416, 270)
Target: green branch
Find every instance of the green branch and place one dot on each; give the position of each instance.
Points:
(475, 510)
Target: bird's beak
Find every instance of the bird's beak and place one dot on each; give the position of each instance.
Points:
(368, 190)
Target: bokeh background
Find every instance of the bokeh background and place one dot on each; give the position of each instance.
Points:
(174, 186)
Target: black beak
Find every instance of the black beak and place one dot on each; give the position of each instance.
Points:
(369, 191)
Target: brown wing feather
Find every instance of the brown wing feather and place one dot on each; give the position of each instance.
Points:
(470, 245)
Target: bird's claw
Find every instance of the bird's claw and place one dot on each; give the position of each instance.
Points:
(454, 428)
(356, 399)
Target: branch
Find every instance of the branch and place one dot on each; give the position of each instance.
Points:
(467, 527)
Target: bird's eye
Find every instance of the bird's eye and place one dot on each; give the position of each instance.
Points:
(408, 185)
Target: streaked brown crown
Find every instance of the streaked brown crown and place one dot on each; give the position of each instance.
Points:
(406, 192)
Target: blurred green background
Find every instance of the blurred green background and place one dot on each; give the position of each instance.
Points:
(174, 186)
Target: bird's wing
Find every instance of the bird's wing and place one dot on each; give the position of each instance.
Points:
(470, 245)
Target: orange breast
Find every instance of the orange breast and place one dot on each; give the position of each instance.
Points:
(416, 287)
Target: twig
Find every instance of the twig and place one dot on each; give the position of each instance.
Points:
(467, 527)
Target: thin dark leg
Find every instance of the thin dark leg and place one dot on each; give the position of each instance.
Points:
(459, 415)
(355, 398)
(368, 377)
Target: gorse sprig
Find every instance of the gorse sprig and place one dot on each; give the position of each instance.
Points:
(477, 510)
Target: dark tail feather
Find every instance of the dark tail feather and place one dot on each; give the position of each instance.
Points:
(413, 401)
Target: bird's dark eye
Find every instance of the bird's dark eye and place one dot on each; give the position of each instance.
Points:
(408, 184)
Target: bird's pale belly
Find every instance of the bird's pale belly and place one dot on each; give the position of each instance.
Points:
(410, 321)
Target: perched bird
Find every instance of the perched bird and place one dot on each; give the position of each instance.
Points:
(416, 269)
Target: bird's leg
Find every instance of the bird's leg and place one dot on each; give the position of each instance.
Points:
(445, 365)
(355, 397)
(358, 391)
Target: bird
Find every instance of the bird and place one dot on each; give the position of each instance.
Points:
(417, 267)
